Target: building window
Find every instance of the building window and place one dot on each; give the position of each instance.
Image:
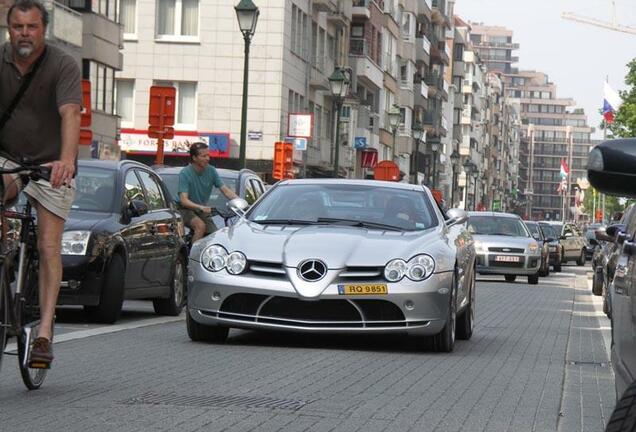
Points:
(128, 17)
(125, 101)
(102, 80)
(178, 18)
(186, 108)
(107, 8)
(299, 32)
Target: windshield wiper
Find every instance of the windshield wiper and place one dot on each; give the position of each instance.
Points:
(505, 234)
(357, 223)
(284, 222)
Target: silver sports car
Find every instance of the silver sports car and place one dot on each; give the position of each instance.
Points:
(504, 246)
(337, 256)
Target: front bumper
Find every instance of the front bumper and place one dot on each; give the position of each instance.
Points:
(528, 265)
(246, 301)
(82, 279)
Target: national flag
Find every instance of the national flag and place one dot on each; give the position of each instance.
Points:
(562, 186)
(611, 103)
(565, 170)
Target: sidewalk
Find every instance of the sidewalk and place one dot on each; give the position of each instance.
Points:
(588, 388)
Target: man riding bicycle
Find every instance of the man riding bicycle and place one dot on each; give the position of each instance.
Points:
(40, 105)
(195, 186)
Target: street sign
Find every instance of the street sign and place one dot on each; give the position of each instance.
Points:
(360, 143)
(255, 135)
(299, 125)
(300, 144)
(496, 205)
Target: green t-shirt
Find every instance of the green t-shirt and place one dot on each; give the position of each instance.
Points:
(198, 186)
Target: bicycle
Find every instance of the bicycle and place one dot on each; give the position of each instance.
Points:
(19, 306)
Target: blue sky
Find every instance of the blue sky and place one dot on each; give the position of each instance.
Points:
(577, 57)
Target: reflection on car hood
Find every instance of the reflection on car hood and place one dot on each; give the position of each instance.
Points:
(502, 241)
(338, 246)
(84, 220)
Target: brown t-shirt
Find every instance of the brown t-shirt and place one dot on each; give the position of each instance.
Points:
(34, 129)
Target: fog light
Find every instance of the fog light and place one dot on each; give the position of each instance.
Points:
(409, 305)
(443, 291)
(73, 284)
(190, 278)
(216, 296)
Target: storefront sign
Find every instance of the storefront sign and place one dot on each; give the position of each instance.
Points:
(299, 125)
(136, 141)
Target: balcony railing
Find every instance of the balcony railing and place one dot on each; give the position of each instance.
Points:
(359, 47)
(426, 44)
(66, 24)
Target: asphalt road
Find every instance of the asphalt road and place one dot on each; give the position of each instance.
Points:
(537, 362)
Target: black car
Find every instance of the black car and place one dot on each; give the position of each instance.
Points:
(245, 183)
(123, 240)
(553, 245)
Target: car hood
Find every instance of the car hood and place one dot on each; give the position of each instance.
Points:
(489, 241)
(83, 220)
(337, 246)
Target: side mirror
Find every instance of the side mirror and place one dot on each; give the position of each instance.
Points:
(613, 230)
(536, 236)
(137, 208)
(611, 167)
(456, 216)
(238, 206)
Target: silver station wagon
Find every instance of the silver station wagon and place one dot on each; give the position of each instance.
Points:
(504, 246)
(337, 256)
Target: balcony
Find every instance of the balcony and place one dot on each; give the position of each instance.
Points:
(438, 14)
(366, 69)
(65, 24)
(407, 51)
(341, 17)
(361, 9)
(321, 68)
(420, 91)
(440, 52)
(426, 8)
(422, 49)
(459, 68)
(325, 5)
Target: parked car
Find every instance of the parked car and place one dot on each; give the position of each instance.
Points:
(544, 244)
(612, 170)
(504, 246)
(337, 256)
(589, 235)
(122, 240)
(553, 245)
(571, 242)
(245, 183)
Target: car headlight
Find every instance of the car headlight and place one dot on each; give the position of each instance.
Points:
(420, 267)
(533, 247)
(395, 270)
(235, 263)
(213, 258)
(75, 242)
(417, 268)
(479, 246)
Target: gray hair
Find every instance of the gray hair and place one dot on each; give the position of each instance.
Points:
(25, 5)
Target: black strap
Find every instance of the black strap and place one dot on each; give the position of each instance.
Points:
(23, 88)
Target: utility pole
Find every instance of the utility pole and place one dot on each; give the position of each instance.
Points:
(530, 185)
(613, 25)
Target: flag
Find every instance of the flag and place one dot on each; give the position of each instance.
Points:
(564, 169)
(611, 103)
(562, 186)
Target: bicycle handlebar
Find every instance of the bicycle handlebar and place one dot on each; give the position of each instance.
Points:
(35, 172)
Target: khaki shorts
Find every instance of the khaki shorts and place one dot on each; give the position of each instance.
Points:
(189, 214)
(57, 201)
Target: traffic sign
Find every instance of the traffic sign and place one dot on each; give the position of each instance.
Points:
(360, 143)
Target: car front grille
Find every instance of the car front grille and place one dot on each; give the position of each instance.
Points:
(287, 311)
(507, 250)
(276, 270)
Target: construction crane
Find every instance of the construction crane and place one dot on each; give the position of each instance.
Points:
(613, 25)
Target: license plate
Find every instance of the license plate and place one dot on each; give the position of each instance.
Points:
(363, 289)
(507, 258)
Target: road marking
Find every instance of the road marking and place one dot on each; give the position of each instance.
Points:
(82, 334)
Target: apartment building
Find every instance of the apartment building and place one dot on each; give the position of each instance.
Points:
(89, 31)
(552, 131)
(495, 47)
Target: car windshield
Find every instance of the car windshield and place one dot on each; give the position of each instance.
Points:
(217, 199)
(497, 225)
(548, 231)
(369, 206)
(95, 189)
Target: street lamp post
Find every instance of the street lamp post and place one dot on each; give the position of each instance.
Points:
(247, 16)
(418, 133)
(434, 149)
(468, 168)
(339, 84)
(394, 121)
(475, 176)
(454, 157)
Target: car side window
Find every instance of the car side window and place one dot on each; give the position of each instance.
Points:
(567, 230)
(156, 200)
(250, 194)
(132, 187)
(259, 189)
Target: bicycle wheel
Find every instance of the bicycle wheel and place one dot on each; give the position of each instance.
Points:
(4, 316)
(29, 322)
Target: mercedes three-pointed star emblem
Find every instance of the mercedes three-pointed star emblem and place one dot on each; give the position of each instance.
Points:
(312, 270)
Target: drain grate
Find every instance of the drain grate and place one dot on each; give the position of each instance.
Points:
(216, 401)
(588, 363)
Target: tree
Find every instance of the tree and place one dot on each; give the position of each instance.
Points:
(624, 125)
(612, 204)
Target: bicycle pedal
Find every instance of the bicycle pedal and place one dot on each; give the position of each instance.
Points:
(39, 365)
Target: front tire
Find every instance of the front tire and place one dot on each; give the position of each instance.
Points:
(510, 278)
(581, 260)
(444, 341)
(557, 264)
(623, 418)
(533, 279)
(111, 297)
(173, 305)
(597, 283)
(203, 333)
